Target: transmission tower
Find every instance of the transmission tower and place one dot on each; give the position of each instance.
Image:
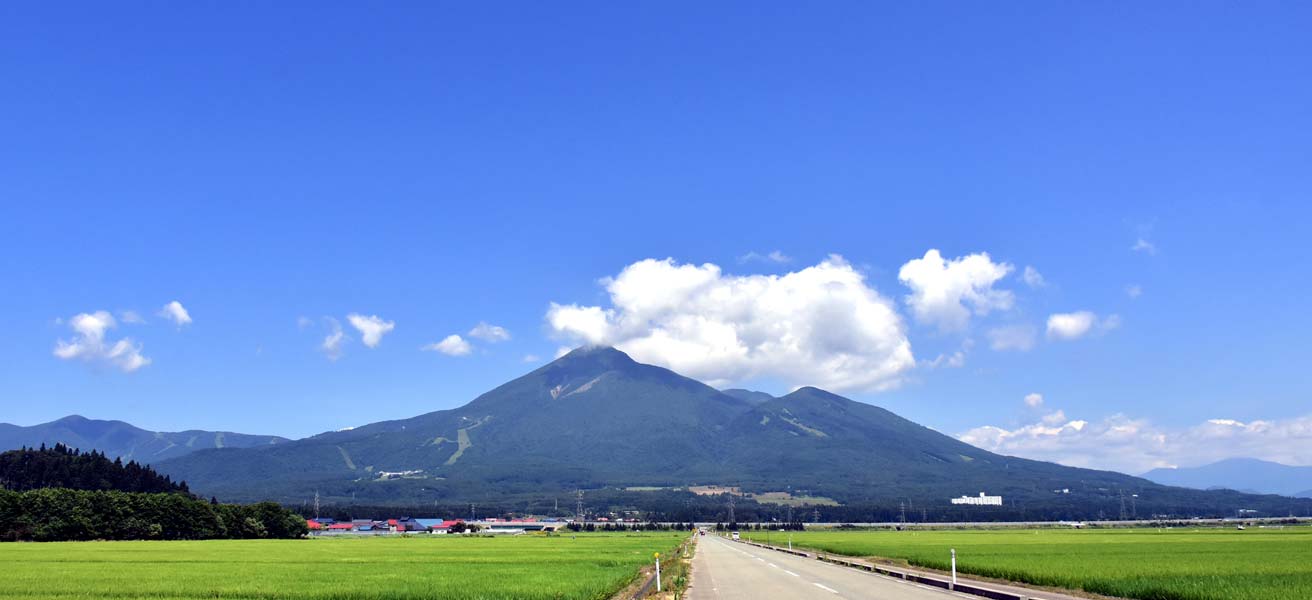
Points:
(578, 506)
(732, 521)
(1123, 515)
(902, 512)
(316, 504)
(815, 516)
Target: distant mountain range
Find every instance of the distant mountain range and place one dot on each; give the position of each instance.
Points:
(117, 439)
(1242, 474)
(596, 420)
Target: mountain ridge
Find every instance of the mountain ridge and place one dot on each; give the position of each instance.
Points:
(1261, 476)
(119, 439)
(595, 419)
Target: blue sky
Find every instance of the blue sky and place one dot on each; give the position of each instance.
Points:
(273, 169)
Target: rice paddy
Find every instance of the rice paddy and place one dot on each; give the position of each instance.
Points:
(1145, 564)
(586, 566)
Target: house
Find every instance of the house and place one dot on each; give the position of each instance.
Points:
(313, 525)
(339, 527)
(442, 526)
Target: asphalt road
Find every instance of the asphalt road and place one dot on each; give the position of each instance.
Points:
(725, 570)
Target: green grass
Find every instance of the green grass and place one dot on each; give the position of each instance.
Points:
(1147, 564)
(461, 568)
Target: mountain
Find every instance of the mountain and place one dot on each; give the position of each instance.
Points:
(597, 420)
(117, 439)
(1240, 474)
(749, 396)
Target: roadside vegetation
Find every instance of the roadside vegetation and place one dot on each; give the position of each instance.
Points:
(1146, 564)
(565, 566)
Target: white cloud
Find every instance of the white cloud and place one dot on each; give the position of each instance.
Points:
(773, 256)
(821, 325)
(1034, 400)
(174, 311)
(1145, 246)
(131, 317)
(1132, 445)
(1134, 290)
(1075, 325)
(90, 345)
(531, 358)
(1033, 278)
(489, 333)
(562, 351)
(944, 292)
(1012, 337)
(332, 343)
(304, 322)
(451, 345)
(371, 328)
(955, 360)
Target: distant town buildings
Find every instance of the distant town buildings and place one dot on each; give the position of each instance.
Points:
(980, 500)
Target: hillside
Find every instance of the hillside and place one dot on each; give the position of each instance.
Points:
(597, 419)
(1240, 474)
(117, 439)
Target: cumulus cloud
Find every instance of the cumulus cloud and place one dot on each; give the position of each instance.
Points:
(1034, 400)
(489, 333)
(333, 342)
(1075, 325)
(1133, 445)
(1134, 290)
(89, 343)
(131, 317)
(1033, 278)
(945, 292)
(451, 345)
(531, 358)
(1144, 246)
(174, 311)
(773, 256)
(821, 325)
(1012, 337)
(371, 328)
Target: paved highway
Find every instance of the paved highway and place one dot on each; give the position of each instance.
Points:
(725, 570)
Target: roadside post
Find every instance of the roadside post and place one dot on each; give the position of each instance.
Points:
(658, 571)
(790, 542)
(954, 569)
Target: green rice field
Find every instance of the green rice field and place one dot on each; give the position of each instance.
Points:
(1147, 564)
(456, 567)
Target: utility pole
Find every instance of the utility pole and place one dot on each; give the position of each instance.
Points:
(732, 521)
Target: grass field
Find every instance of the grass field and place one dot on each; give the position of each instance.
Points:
(1148, 564)
(590, 566)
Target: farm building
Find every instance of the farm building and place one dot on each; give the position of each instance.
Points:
(980, 500)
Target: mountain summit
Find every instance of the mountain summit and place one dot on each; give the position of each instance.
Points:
(595, 418)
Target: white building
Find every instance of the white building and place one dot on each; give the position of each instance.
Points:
(980, 500)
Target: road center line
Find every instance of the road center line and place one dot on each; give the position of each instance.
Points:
(791, 573)
(825, 588)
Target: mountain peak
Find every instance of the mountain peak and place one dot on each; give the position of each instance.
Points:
(606, 356)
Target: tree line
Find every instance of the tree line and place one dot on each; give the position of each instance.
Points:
(62, 466)
(61, 494)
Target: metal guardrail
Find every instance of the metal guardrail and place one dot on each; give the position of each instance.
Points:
(964, 588)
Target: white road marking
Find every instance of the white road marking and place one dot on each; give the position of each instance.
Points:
(825, 588)
(791, 573)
